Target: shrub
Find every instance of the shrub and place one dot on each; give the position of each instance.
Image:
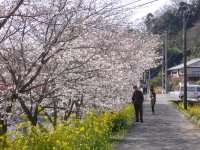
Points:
(123, 119)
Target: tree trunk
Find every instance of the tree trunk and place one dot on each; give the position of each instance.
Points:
(3, 128)
(55, 114)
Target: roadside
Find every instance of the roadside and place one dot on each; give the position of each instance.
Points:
(167, 129)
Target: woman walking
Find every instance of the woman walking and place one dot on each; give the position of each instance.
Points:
(153, 98)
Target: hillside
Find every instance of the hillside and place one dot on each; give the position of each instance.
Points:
(193, 37)
(171, 20)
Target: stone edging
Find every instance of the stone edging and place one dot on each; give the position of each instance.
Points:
(193, 118)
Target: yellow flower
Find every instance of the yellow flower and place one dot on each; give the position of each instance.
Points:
(22, 115)
(1, 138)
(39, 108)
(29, 122)
(82, 129)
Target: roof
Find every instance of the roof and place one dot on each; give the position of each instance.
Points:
(181, 66)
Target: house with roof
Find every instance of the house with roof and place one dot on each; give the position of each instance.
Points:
(193, 70)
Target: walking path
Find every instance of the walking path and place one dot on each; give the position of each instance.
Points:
(167, 129)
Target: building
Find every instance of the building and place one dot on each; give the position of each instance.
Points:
(193, 70)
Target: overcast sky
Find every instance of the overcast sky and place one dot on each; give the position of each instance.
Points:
(142, 11)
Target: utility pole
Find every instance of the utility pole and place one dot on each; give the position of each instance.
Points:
(143, 79)
(166, 82)
(149, 74)
(185, 59)
(163, 63)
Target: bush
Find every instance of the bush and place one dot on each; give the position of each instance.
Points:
(123, 119)
(198, 82)
(119, 123)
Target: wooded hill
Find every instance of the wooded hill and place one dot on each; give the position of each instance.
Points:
(170, 20)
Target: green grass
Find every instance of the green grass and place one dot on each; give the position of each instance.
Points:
(122, 122)
(192, 112)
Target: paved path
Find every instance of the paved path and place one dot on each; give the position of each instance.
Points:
(167, 129)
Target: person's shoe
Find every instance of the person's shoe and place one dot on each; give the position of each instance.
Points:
(141, 121)
(136, 120)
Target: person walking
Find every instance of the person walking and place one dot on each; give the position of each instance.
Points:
(153, 98)
(137, 100)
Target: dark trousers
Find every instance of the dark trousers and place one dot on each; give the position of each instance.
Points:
(138, 111)
(152, 107)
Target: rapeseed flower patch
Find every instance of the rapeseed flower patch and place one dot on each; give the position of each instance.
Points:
(193, 111)
(94, 131)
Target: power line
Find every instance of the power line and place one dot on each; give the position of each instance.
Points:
(138, 6)
(131, 3)
(147, 3)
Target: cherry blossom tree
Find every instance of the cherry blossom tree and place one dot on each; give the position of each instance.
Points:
(5, 15)
(9, 12)
(65, 56)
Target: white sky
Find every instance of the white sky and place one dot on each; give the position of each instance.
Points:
(142, 11)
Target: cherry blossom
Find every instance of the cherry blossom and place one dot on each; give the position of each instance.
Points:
(67, 56)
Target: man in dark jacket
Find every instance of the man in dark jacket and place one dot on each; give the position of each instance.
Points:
(137, 100)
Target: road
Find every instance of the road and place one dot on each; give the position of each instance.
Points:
(167, 129)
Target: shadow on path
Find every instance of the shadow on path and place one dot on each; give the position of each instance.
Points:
(167, 129)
